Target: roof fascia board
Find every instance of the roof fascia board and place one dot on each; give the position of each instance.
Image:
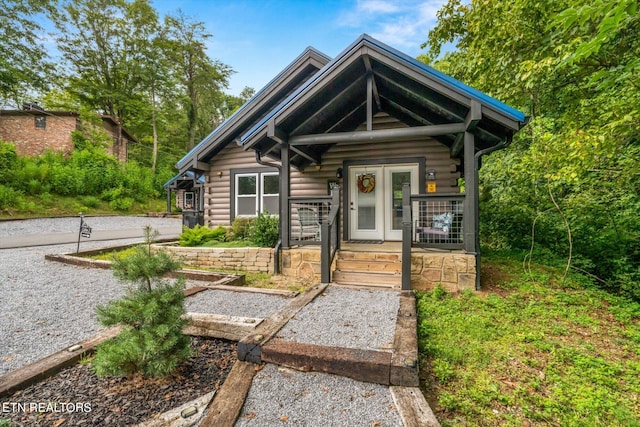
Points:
(309, 56)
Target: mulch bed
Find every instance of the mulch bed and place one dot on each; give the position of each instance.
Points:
(77, 397)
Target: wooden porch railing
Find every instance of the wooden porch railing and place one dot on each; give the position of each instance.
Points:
(429, 221)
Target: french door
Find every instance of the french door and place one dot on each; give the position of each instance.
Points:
(375, 200)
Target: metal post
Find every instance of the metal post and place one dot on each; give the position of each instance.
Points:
(406, 236)
(80, 231)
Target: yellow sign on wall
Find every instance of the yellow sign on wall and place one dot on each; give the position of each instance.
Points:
(431, 187)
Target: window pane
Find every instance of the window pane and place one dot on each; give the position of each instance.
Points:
(270, 184)
(270, 204)
(246, 185)
(246, 206)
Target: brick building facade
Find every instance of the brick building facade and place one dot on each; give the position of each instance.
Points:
(34, 130)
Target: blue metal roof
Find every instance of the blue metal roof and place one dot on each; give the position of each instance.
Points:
(457, 85)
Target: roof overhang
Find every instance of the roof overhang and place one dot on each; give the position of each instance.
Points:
(370, 77)
(286, 82)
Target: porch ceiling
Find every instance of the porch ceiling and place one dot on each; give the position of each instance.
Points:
(335, 100)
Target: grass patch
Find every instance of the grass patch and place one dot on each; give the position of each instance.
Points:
(528, 351)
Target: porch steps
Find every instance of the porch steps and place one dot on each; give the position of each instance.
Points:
(368, 268)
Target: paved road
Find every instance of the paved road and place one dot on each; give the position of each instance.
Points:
(30, 233)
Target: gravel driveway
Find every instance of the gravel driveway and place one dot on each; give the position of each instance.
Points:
(46, 306)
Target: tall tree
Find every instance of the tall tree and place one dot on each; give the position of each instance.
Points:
(24, 66)
(572, 65)
(202, 78)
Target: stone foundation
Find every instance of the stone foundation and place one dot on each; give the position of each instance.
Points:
(233, 259)
(455, 271)
(301, 262)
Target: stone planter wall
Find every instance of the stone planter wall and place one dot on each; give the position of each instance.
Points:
(234, 259)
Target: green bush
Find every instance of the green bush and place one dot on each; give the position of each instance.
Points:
(8, 160)
(90, 201)
(151, 341)
(9, 198)
(240, 227)
(200, 234)
(121, 204)
(264, 230)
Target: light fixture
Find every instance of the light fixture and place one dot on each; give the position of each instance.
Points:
(339, 173)
(219, 173)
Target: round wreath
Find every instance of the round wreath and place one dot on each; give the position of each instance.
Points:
(366, 183)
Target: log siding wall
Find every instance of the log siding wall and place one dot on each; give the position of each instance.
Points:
(313, 181)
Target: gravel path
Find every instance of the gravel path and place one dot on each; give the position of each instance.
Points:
(345, 317)
(284, 397)
(229, 303)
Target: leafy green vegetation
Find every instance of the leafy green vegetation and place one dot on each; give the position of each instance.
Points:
(530, 350)
(202, 235)
(569, 181)
(152, 314)
(265, 230)
(88, 180)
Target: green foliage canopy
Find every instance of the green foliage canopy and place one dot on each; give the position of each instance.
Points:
(572, 65)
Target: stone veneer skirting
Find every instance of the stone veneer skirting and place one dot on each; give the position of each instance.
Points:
(454, 270)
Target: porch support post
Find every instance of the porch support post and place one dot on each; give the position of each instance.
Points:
(284, 194)
(471, 189)
(406, 236)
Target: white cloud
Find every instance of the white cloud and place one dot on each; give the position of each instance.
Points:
(403, 24)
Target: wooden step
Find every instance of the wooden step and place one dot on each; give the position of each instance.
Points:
(372, 266)
(387, 280)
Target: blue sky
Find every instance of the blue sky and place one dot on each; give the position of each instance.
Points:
(259, 38)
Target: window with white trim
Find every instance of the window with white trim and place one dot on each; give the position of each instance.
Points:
(256, 192)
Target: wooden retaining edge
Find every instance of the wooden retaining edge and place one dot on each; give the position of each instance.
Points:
(203, 275)
(232, 328)
(362, 365)
(52, 364)
(404, 359)
(227, 404)
(250, 347)
(173, 417)
(227, 327)
(413, 407)
(268, 291)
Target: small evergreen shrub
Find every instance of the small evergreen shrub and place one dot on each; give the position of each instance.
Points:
(200, 234)
(152, 315)
(240, 227)
(264, 230)
(152, 342)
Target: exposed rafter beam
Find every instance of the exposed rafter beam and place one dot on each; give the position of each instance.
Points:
(276, 134)
(306, 155)
(409, 113)
(375, 92)
(338, 97)
(471, 123)
(448, 114)
(345, 118)
(400, 134)
(201, 166)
